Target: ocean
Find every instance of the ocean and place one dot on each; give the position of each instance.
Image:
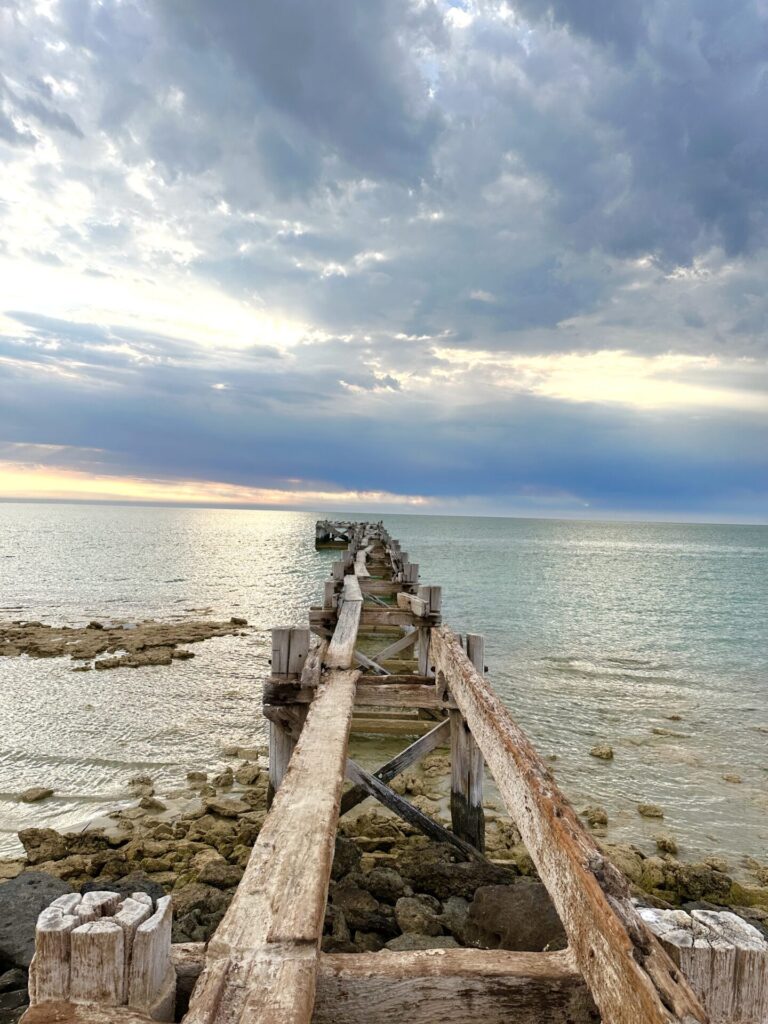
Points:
(595, 633)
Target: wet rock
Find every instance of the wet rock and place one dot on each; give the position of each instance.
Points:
(21, 900)
(346, 858)
(10, 869)
(628, 859)
(518, 917)
(95, 625)
(455, 919)
(385, 884)
(224, 780)
(181, 655)
(650, 810)
(733, 777)
(596, 816)
(247, 774)
(135, 882)
(409, 941)
(226, 807)
(151, 803)
(13, 979)
(360, 909)
(368, 942)
(419, 914)
(35, 793)
(43, 844)
(603, 751)
(339, 939)
(665, 843)
(431, 869)
(236, 620)
(741, 895)
(196, 779)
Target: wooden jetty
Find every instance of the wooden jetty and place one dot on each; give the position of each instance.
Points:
(381, 655)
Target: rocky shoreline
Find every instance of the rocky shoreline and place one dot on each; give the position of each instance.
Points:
(391, 887)
(133, 645)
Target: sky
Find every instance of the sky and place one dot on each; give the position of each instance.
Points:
(501, 258)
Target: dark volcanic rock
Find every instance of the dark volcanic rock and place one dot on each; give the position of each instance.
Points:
(519, 917)
(21, 901)
(125, 886)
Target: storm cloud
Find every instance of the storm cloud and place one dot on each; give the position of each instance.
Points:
(504, 253)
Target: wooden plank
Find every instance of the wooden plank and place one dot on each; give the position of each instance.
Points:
(632, 979)
(467, 766)
(385, 694)
(262, 960)
(405, 810)
(363, 726)
(366, 662)
(415, 752)
(290, 648)
(388, 617)
(341, 648)
(82, 1013)
(313, 667)
(463, 986)
(410, 603)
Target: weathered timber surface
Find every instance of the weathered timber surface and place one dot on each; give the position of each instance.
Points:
(261, 963)
(413, 753)
(385, 694)
(632, 979)
(467, 765)
(83, 1013)
(342, 646)
(723, 957)
(463, 986)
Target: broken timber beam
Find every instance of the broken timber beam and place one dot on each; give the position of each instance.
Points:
(632, 979)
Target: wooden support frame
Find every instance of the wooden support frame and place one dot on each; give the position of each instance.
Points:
(632, 979)
(424, 745)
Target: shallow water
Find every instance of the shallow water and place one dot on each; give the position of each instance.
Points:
(595, 633)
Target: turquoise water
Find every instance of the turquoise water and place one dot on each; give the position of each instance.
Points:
(596, 632)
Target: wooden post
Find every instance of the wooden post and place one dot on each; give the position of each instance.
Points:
(433, 598)
(723, 957)
(103, 951)
(467, 766)
(290, 649)
(329, 594)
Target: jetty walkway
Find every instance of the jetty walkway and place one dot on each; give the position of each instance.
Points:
(376, 658)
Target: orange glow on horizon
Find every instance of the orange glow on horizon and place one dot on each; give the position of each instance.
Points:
(29, 480)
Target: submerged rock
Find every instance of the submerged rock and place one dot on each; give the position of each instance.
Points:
(603, 751)
(650, 810)
(35, 793)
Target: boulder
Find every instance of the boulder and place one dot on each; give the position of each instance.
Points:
(596, 816)
(385, 884)
(346, 858)
(41, 844)
(247, 774)
(603, 751)
(665, 843)
(455, 919)
(360, 909)
(650, 811)
(21, 900)
(430, 869)
(419, 914)
(35, 793)
(368, 942)
(517, 917)
(226, 807)
(128, 884)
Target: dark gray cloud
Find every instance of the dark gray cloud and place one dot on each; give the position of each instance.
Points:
(400, 180)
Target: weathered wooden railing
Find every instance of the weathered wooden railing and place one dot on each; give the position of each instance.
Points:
(264, 963)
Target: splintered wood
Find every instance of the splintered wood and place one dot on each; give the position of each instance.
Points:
(102, 949)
